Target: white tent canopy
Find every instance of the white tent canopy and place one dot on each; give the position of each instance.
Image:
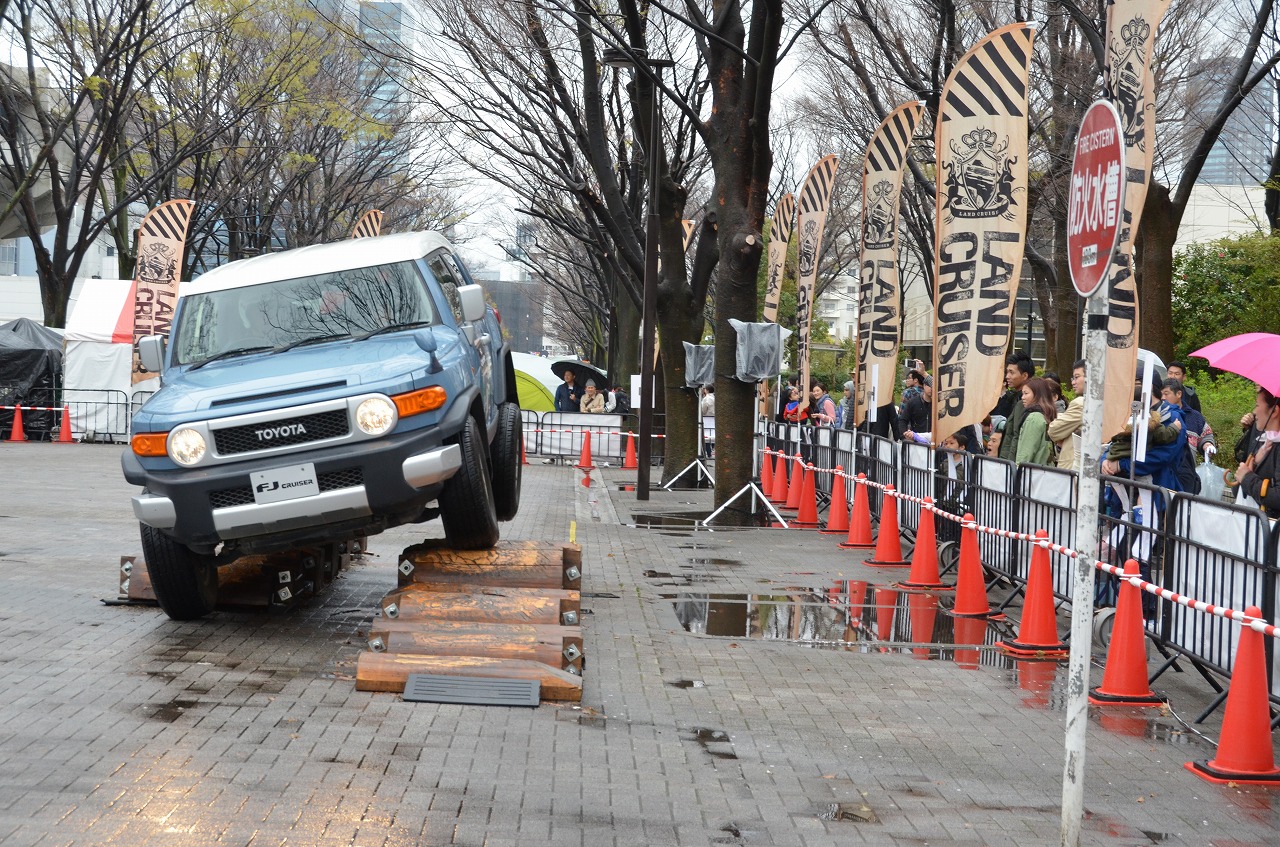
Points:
(98, 365)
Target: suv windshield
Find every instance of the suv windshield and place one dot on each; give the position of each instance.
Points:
(278, 314)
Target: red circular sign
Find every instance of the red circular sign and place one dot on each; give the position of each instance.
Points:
(1096, 210)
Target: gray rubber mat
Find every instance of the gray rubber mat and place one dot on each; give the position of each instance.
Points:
(470, 690)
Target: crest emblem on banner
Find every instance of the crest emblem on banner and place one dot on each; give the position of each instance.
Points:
(881, 216)
(980, 180)
(157, 263)
(1128, 59)
(808, 257)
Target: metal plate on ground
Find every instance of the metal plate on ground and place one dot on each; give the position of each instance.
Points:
(473, 691)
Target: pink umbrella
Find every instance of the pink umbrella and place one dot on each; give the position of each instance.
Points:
(1253, 355)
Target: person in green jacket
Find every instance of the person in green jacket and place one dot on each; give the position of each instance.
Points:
(1034, 446)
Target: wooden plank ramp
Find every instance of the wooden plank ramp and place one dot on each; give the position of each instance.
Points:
(506, 613)
(481, 603)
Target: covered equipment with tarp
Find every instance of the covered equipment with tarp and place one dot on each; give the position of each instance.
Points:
(30, 374)
(536, 384)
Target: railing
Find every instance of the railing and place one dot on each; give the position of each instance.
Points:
(1219, 553)
(94, 414)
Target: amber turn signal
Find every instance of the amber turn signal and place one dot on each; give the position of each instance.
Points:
(423, 400)
(149, 443)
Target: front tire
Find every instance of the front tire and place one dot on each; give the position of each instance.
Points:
(466, 504)
(507, 467)
(186, 583)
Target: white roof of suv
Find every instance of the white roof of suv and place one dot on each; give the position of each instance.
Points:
(317, 259)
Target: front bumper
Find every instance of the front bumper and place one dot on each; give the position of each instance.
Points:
(379, 483)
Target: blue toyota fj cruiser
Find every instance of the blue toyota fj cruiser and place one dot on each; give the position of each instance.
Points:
(318, 395)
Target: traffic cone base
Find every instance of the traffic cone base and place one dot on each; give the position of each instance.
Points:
(808, 516)
(1206, 770)
(838, 511)
(924, 559)
(1244, 747)
(1030, 651)
(1124, 679)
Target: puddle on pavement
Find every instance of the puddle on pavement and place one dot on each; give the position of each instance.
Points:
(715, 742)
(171, 711)
(686, 521)
(724, 563)
(626, 487)
(687, 683)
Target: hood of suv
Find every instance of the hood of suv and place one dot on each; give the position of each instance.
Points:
(258, 381)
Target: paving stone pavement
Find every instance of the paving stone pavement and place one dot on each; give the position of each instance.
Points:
(118, 726)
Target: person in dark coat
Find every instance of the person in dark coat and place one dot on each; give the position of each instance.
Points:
(569, 393)
(1259, 474)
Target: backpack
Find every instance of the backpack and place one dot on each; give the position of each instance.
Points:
(621, 403)
(1186, 472)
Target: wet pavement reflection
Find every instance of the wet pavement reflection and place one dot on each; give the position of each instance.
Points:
(857, 616)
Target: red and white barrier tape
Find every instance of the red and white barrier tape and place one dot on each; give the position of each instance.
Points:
(36, 408)
(1256, 624)
(594, 432)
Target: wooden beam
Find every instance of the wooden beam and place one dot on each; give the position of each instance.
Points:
(545, 644)
(455, 602)
(388, 672)
(503, 574)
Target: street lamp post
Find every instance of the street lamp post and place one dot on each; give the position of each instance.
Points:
(634, 58)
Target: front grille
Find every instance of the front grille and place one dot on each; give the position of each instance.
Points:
(308, 428)
(331, 481)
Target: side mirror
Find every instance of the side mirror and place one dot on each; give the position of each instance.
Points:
(472, 297)
(151, 352)
(427, 343)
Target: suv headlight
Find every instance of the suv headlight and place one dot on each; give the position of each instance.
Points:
(187, 447)
(375, 416)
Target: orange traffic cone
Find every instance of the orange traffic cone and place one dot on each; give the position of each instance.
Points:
(766, 472)
(808, 516)
(838, 511)
(17, 434)
(584, 460)
(1244, 749)
(796, 491)
(969, 635)
(860, 536)
(922, 612)
(1124, 679)
(778, 495)
(64, 430)
(924, 559)
(888, 546)
(629, 463)
(886, 604)
(971, 591)
(1038, 629)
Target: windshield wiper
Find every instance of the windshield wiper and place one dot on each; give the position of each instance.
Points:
(226, 354)
(392, 328)
(315, 339)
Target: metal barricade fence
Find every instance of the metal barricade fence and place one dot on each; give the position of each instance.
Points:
(1224, 555)
(824, 456)
(95, 414)
(562, 435)
(845, 457)
(915, 479)
(993, 489)
(530, 425)
(136, 399)
(1131, 525)
(880, 467)
(1047, 499)
(952, 491)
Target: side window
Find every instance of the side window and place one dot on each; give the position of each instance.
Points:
(443, 272)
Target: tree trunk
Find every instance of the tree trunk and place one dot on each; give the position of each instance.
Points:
(736, 405)
(679, 320)
(626, 331)
(1156, 236)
